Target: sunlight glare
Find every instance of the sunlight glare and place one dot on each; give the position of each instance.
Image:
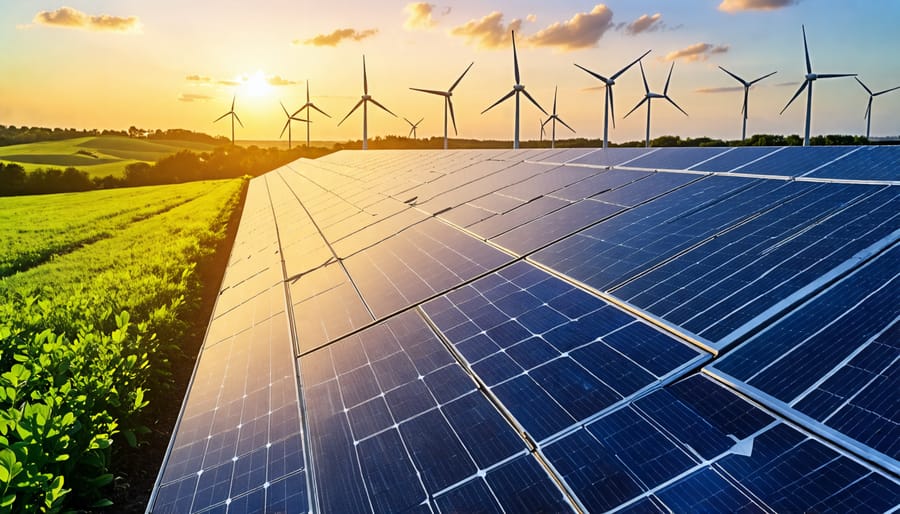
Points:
(256, 85)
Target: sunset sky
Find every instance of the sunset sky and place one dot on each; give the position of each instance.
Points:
(176, 64)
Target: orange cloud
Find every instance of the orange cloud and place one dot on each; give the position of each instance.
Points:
(190, 97)
(74, 19)
(754, 5)
(337, 37)
(198, 78)
(419, 16)
(696, 52)
(583, 30)
(275, 80)
(489, 31)
(644, 24)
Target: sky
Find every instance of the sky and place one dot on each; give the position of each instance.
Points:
(176, 64)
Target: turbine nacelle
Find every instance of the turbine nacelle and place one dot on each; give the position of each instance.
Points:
(518, 87)
(655, 95)
(367, 97)
(811, 76)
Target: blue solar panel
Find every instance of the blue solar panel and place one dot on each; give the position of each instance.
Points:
(794, 161)
(611, 156)
(507, 221)
(599, 183)
(734, 158)
(645, 189)
(866, 163)
(675, 158)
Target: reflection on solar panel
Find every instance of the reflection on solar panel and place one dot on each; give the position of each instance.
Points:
(642, 330)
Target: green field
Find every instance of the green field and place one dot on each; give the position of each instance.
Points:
(98, 156)
(97, 290)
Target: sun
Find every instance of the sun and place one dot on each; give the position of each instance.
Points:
(257, 85)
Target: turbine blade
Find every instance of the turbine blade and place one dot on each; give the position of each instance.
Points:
(733, 75)
(238, 118)
(307, 91)
(365, 79)
(411, 129)
(644, 76)
(612, 109)
(286, 124)
(887, 91)
(763, 77)
(863, 85)
(636, 106)
(374, 101)
(301, 119)
(499, 101)
(666, 88)
(555, 89)
(595, 75)
(802, 87)
(420, 121)
(623, 70)
(452, 117)
(233, 98)
(406, 120)
(355, 107)
(222, 116)
(534, 101)
(285, 110)
(430, 91)
(676, 105)
(868, 109)
(460, 77)
(565, 124)
(320, 110)
(543, 123)
(298, 111)
(744, 108)
(806, 51)
(834, 75)
(515, 57)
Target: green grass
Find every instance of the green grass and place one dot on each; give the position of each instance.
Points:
(86, 336)
(98, 156)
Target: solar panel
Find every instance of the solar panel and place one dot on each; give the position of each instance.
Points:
(553, 330)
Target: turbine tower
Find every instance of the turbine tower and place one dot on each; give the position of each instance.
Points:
(746, 95)
(517, 88)
(364, 101)
(649, 96)
(413, 127)
(808, 83)
(308, 105)
(234, 116)
(448, 104)
(543, 132)
(608, 106)
(868, 115)
(554, 118)
(287, 124)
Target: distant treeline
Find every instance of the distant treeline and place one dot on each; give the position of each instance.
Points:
(397, 142)
(184, 166)
(12, 135)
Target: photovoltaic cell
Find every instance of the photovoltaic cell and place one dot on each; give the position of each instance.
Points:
(555, 225)
(676, 158)
(866, 163)
(734, 158)
(548, 351)
(794, 161)
(611, 156)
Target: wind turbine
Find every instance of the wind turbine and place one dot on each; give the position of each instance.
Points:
(413, 126)
(808, 81)
(543, 132)
(649, 96)
(608, 104)
(554, 118)
(517, 88)
(233, 117)
(364, 101)
(287, 124)
(872, 96)
(447, 102)
(308, 105)
(746, 94)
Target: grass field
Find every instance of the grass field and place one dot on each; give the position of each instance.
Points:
(96, 296)
(98, 156)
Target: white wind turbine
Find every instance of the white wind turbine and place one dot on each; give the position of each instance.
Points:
(608, 106)
(554, 118)
(649, 96)
(234, 116)
(872, 96)
(448, 103)
(808, 82)
(364, 101)
(413, 127)
(308, 105)
(517, 88)
(746, 95)
(287, 124)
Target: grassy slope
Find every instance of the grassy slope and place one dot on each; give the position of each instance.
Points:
(99, 156)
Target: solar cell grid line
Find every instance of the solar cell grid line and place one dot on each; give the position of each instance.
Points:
(867, 163)
(546, 183)
(793, 161)
(395, 421)
(736, 157)
(721, 285)
(676, 158)
(606, 157)
(551, 354)
(602, 181)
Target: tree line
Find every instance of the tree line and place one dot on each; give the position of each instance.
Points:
(12, 135)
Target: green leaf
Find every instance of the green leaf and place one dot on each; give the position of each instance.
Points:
(8, 500)
(102, 503)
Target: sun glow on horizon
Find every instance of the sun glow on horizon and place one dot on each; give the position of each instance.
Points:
(256, 85)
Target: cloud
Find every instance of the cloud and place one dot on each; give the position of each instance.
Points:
(419, 15)
(71, 18)
(645, 24)
(583, 30)
(487, 32)
(337, 37)
(696, 52)
(228, 82)
(275, 80)
(198, 78)
(191, 97)
(787, 84)
(729, 89)
(531, 18)
(733, 6)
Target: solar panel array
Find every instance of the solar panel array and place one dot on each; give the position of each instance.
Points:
(570, 330)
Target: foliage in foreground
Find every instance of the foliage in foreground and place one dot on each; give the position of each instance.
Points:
(85, 343)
